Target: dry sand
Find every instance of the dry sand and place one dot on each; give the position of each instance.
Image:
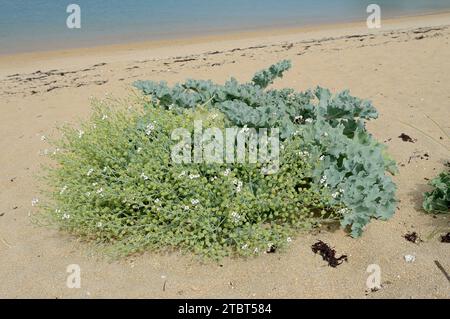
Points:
(403, 67)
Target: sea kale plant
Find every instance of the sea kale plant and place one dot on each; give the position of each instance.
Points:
(438, 199)
(344, 157)
(115, 181)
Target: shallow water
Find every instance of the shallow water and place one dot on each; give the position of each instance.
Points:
(28, 25)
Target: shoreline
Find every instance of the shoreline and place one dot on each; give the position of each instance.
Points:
(216, 33)
(278, 28)
(155, 48)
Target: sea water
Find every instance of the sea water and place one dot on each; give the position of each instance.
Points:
(29, 25)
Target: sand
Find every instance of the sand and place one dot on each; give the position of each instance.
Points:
(404, 68)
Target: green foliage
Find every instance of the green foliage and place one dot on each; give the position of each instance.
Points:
(266, 77)
(331, 127)
(353, 169)
(438, 200)
(115, 183)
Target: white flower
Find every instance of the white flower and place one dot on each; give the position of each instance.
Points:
(235, 217)
(104, 117)
(256, 250)
(183, 173)
(43, 138)
(63, 190)
(139, 149)
(57, 211)
(341, 191)
(99, 225)
(144, 177)
(100, 190)
(323, 180)
(89, 173)
(322, 158)
(309, 120)
(195, 201)
(105, 169)
(298, 118)
(34, 201)
(238, 184)
(186, 208)
(244, 246)
(88, 194)
(343, 211)
(289, 239)
(212, 179)
(194, 176)
(149, 129)
(66, 216)
(303, 153)
(80, 134)
(157, 201)
(227, 172)
(325, 134)
(335, 195)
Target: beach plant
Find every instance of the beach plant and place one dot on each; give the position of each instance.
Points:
(354, 166)
(115, 183)
(437, 200)
(113, 179)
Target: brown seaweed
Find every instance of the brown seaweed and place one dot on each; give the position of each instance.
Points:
(328, 254)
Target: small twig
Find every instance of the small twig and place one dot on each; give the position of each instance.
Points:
(437, 124)
(164, 285)
(5, 242)
(426, 134)
(438, 264)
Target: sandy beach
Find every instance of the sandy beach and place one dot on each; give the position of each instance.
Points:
(404, 68)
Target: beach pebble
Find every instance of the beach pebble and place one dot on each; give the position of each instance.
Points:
(410, 258)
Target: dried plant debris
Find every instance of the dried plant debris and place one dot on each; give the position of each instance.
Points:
(407, 138)
(412, 237)
(328, 254)
(419, 155)
(438, 264)
(445, 238)
(272, 249)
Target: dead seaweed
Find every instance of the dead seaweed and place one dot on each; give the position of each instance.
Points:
(407, 138)
(445, 238)
(328, 254)
(412, 237)
(272, 249)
